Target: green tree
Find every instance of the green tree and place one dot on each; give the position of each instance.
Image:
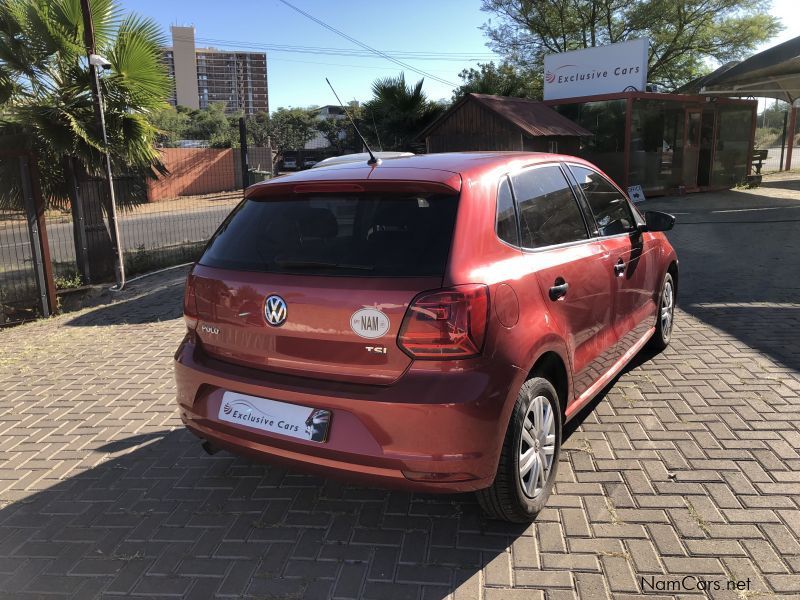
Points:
(171, 124)
(209, 124)
(212, 124)
(773, 114)
(400, 112)
(46, 103)
(340, 134)
(258, 130)
(683, 34)
(503, 79)
(290, 129)
(46, 94)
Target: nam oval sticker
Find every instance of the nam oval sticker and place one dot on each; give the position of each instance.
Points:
(369, 323)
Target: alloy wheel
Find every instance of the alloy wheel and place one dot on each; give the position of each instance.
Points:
(537, 446)
(667, 308)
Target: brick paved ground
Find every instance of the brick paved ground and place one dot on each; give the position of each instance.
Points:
(688, 465)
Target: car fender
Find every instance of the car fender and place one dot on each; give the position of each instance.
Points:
(551, 342)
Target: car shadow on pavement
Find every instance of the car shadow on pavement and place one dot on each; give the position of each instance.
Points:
(142, 302)
(158, 516)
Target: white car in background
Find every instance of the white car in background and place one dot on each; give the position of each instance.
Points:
(359, 157)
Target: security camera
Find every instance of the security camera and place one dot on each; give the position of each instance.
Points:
(99, 61)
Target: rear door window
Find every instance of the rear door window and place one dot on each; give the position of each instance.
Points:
(610, 208)
(548, 211)
(353, 235)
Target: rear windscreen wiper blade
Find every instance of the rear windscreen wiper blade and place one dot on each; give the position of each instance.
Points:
(318, 264)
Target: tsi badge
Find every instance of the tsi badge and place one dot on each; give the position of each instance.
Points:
(275, 310)
(369, 323)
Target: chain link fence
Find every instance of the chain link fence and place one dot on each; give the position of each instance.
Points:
(26, 276)
(162, 221)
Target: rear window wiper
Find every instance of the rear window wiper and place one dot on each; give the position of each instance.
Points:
(291, 263)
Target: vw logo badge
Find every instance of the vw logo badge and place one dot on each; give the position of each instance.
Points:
(275, 310)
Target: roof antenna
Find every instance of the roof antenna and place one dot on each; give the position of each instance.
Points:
(375, 127)
(373, 160)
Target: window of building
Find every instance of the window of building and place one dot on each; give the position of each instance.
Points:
(732, 145)
(606, 120)
(548, 210)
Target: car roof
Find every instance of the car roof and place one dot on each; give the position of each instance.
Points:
(359, 157)
(440, 167)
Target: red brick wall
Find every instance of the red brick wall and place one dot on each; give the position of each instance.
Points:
(193, 171)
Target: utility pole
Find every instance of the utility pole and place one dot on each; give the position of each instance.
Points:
(91, 55)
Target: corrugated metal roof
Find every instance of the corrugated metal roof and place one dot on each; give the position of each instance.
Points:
(532, 116)
(772, 73)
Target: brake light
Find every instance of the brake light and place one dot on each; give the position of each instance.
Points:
(446, 324)
(190, 304)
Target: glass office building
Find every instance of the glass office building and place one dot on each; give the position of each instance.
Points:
(667, 143)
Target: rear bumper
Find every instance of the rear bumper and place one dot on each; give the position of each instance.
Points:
(436, 429)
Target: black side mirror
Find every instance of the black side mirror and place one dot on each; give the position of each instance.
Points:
(658, 221)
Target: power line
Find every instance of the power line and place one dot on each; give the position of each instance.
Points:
(329, 48)
(416, 55)
(229, 64)
(327, 64)
(366, 47)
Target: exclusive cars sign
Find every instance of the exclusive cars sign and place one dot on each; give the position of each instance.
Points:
(601, 70)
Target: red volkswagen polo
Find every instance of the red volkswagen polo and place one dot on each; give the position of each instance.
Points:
(428, 323)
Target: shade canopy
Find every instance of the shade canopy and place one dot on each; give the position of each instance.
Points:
(773, 73)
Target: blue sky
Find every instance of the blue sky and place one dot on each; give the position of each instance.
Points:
(432, 26)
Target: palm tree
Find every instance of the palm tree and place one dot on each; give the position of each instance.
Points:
(400, 111)
(45, 94)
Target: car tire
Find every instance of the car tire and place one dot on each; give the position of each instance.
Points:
(515, 495)
(665, 317)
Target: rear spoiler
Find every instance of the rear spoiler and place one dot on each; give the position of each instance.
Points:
(342, 181)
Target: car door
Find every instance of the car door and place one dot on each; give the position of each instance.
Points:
(571, 268)
(632, 256)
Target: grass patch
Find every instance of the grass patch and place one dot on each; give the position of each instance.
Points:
(68, 281)
(701, 522)
(612, 510)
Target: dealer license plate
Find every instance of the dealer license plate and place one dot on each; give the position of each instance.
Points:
(276, 417)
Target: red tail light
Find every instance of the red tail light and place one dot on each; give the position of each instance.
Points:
(446, 324)
(190, 304)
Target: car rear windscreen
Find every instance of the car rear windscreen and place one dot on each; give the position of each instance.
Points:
(353, 235)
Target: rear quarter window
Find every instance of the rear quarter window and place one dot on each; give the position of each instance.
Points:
(353, 235)
(506, 218)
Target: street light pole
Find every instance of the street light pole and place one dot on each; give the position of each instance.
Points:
(94, 62)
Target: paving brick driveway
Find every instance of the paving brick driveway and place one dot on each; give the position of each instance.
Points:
(689, 465)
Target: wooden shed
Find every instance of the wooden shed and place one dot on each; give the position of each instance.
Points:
(486, 122)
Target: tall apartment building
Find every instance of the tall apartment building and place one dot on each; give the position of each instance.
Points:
(203, 76)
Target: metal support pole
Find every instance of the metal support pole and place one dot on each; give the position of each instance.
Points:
(783, 140)
(792, 127)
(243, 150)
(35, 237)
(88, 32)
